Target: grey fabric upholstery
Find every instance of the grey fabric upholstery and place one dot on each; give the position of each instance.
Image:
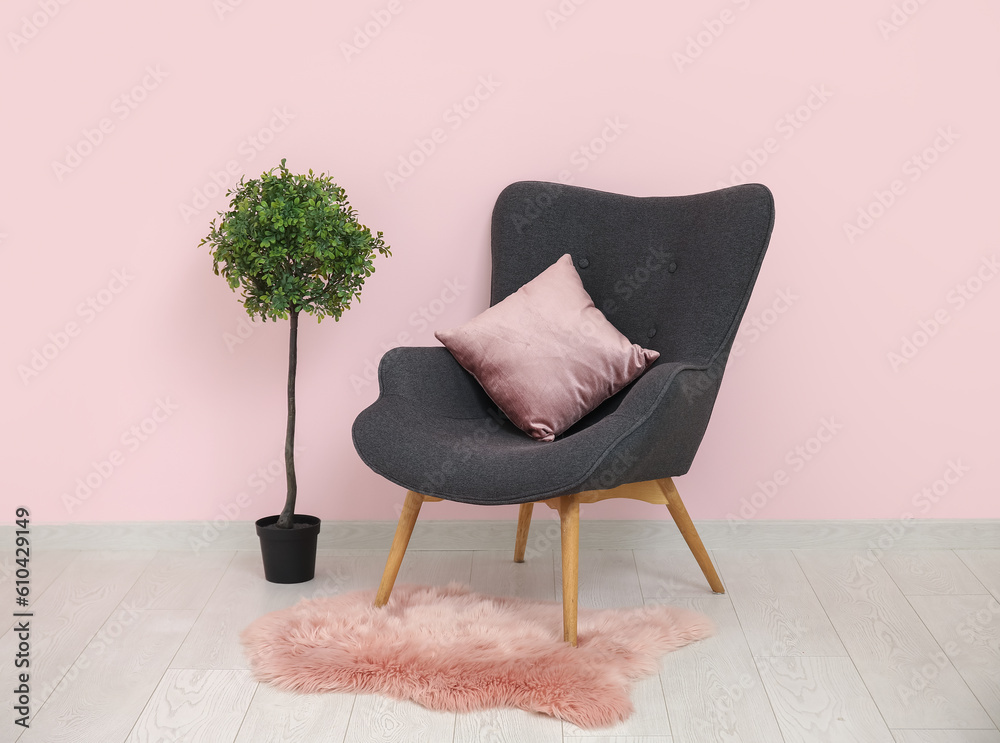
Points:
(671, 273)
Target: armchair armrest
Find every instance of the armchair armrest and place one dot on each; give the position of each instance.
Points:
(431, 377)
(664, 416)
(672, 383)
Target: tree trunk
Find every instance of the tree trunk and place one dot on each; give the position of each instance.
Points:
(285, 519)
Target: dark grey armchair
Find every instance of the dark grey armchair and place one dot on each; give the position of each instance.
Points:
(673, 274)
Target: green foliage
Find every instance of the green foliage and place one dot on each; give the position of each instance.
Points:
(292, 243)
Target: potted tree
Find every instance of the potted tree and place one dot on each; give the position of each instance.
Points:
(292, 244)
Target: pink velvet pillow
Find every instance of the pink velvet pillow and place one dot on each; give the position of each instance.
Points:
(546, 355)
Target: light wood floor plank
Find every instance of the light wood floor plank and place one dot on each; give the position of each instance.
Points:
(496, 574)
(624, 739)
(787, 625)
(276, 715)
(713, 690)
(946, 736)
(930, 573)
(433, 568)
(242, 595)
(179, 580)
(44, 567)
(378, 719)
(668, 573)
(195, 706)
(340, 571)
(105, 691)
(72, 610)
(821, 700)
(968, 628)
(608, 579)
(771, 572)
(888, 643)
(507, 726)
(985, 564)
(543, 536)
(778, 610)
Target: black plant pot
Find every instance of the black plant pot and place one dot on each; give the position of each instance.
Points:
(289, 554)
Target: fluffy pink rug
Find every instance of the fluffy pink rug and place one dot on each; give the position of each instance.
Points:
(450, 649)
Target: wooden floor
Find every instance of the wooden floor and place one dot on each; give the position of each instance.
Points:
(810, 645)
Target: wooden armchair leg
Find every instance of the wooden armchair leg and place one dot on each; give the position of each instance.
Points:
(680, 515)
(411, 509)
(523, 524)
(569, 519)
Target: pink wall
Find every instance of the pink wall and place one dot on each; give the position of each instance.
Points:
(119, 117)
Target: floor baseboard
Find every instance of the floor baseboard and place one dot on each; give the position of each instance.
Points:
(544, 536)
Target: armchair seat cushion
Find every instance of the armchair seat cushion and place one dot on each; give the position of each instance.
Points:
(433, 430)
(470, 460)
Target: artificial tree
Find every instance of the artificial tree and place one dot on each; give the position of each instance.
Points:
(292, 244)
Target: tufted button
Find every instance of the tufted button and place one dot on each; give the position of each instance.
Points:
(583, 263)
(651, 332)
(672, 267)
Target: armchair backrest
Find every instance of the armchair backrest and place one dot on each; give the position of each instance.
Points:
(673, 273)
